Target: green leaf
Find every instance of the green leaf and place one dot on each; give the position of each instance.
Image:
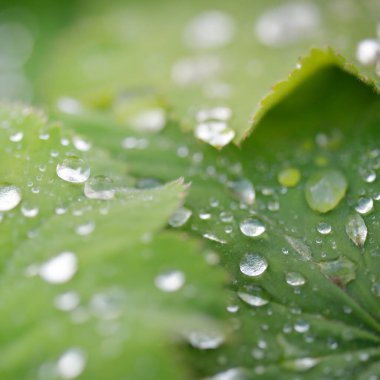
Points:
(93, 286)
(174, 49)
(304, 295)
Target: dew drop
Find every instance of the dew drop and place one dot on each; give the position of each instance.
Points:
(242, 190)
(253, 265)
(170, 281)
(10, 197)
(325, 189)
(206, 340)
(81, 144)
(301, 326)
(324, 228)
(302, 364)
(295, 279)
(230, 374)
(252, 227)
(59, 269)
(289, 177)
(66, 301)
(85, 229)
(215, 133)
(356, 229)
(364, 206)
(16, 137)
(29, 211)
(368, 52)
(73, 169)
(99, 187)
(150, 120)
(288, 23)
(180, 217)
(252, 300)
(71, 363)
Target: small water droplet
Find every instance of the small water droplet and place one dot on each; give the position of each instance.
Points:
(242, 190)
(325, 189)
(59, 269)
(356, 229)
(150, 120)
(295, 279)
(211, 236)
(67, 301)
(29, 211)
(252, 300)
(324, 228)
(226, 217)
(368, 52)
(364, 206)
(301, 326)
(253, 265)
(85, 229)
(170, 281)
(230, 374)
(16, 137)
(180, 217)
(302, 364)
(10, 197)
(99, 187)
(81, 144)
(215, 133)
(71, 363)
(252, 227)
(73, 169)
(204, 215)
(289, 177)
(206, 340)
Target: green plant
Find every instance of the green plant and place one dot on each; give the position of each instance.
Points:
(132, 249)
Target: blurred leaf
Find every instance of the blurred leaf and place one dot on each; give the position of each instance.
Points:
(107, 304)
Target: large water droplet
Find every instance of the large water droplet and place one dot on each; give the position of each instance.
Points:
(325, 189)
(71, 363)
(242, 190)
(252, 227)
(295, 279)
(180, 217)
(10, 197)
(73, 169)
(99, 187)
(356, 229)
(364, 205)
(170, 281)
(59, 269)
(289, 177)
(253, 265)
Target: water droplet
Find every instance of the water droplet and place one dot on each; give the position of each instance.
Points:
(325, 189)
(233, 308)
(180, 217)
(301, 326)
(71, 363)
(215, 133)
(85, 229)
(230, 374)
(368, 175)
(81, 144)
(66, 301)
(206, 340)
(364, 206)
(204, 215)
(368, 52)
(68, 105)
(340, 271)
(170, 281)
(289, 177)
(210, 29)
(324, 228)
(29, 211)
(226, 217)
(252, 300)
(252, 227)
(242, 190)
(99, 187)
(10, 197)
(211, 236)
(288, 23)
(302, 364)
(73, 169)
(16, 137)
(59, 269)
(356, 229)
(295, 279)
(253, 265)
(151, 120)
